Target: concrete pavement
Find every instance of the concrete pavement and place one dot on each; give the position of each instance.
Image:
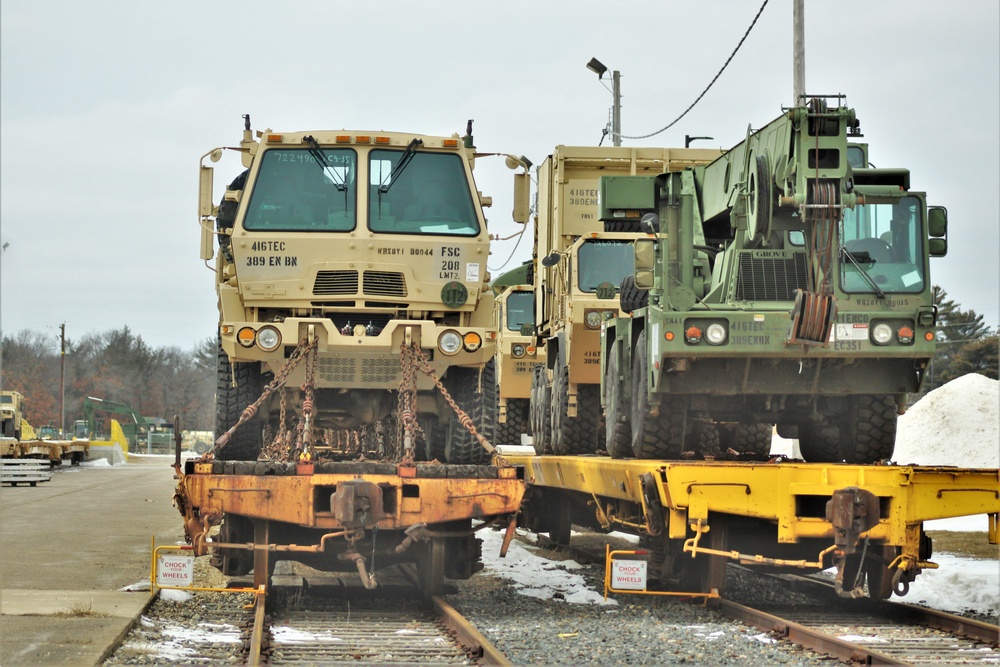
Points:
(66, 548)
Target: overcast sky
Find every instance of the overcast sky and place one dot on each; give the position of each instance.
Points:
(107, 106)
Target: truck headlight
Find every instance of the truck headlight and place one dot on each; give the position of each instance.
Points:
(592, 319)
(268, 339)
(881, 334)
(517, 350)
(715, 334)
(449, 342)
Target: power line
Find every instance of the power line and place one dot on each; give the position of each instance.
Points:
(711, 83)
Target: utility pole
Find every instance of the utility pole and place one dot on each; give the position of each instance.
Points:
(62, 380)
(798, 52)
(616, 114)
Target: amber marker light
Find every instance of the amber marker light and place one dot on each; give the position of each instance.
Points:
(274, 138)
(226, 329)
(246, 336)
(382, 140)
(669, 335)
(362, 139)
(472, 341)
(929, 336)
(343, 139)
(450, 143)
(904, 335)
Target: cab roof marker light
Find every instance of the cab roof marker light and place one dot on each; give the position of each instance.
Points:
(275, 138)
(362, 139)
(450, 143)
(382, 140)
(343, 139)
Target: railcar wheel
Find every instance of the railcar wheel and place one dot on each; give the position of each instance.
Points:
(230, 402)
(654, 436)
(819, 443)
(868, 434)
(711, 570)
(618, 431)
(479, 403)
(430, 567)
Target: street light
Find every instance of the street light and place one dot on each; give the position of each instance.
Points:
(598, 68)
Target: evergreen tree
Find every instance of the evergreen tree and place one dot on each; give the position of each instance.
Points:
(963, 343)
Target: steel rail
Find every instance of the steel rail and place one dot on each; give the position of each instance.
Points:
(468, 635)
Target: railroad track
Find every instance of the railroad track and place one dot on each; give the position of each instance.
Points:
(873, 632)
(367, 630)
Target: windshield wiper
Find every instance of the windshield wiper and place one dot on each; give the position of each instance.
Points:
(320, 158)
(844, 252)
(404, 160)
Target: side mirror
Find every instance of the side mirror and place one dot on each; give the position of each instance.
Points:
(521, 194)
(645, 260)
(206, 209)
(551, 259)
(650, 223)
(937, 229)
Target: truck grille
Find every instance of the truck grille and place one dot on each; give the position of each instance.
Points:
(336, 282)
(384, 283)
(770, 278)
(345, 371)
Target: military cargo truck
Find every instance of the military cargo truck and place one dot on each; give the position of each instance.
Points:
(363, 254)
(785, 283)
(582, 261)
(11, 413)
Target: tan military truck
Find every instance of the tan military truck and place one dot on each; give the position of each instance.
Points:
(363, 254)
(11, 414)
(582, 262)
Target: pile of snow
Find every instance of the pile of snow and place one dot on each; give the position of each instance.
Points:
(957, 424)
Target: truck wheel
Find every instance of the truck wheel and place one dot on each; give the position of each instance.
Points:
(573, 435)
(539, 410)
(480, 404)
(509, 433)
(660, 436)
(819, 443)
(618, 431)
(868, 434)
(754, 438)
(230, 402)
(631, 297)
(8, 428)
(703, 440)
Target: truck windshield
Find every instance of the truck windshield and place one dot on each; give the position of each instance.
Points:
(885, 241)
(604, 262)
(520, 309)
(295, 192)
(430, 196)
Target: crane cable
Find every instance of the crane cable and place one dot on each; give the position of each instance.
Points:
(711, 83)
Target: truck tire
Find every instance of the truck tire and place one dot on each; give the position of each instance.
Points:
(8, 428)
(754, 438)
(617, 430)
(631, 297)
(630, 226)
(819, 443)
(479, 403)
(660, 436)
(868, 435)
(509, 433)
(230, 402)
(540, 415)
(573, 435)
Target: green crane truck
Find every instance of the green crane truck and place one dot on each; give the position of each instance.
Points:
(785, 283)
